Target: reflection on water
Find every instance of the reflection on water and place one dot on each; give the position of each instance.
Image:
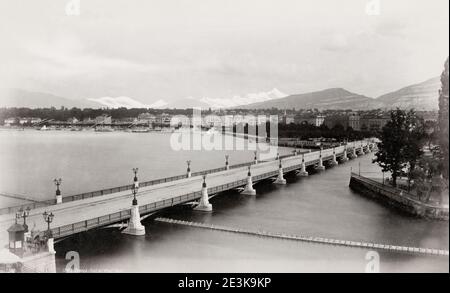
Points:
(319, 205)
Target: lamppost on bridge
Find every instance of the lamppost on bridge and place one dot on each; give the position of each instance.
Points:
(188, 168)
(24, 214)
(227, 166)
(135, 186)
(58, 191)
(48, 218)
(256, 157)
(134, 224)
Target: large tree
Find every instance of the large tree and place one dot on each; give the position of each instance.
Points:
(443, 120)
(401, 143)
(390, 155)
(415, 140)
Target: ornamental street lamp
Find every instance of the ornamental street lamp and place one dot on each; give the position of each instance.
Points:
(58, 183)
(204, 181)
(48, 218)
(24, 214)
(135, 186)
(58, 191)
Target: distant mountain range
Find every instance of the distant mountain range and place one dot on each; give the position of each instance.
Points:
(422, 96)
(331, 99)
(190, 102)
(29, 99)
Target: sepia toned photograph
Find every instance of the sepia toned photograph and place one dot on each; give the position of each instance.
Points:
(230, 137)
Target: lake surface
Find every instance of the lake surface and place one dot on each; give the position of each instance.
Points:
(319, 205)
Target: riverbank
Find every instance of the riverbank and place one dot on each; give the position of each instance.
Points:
(398, 198)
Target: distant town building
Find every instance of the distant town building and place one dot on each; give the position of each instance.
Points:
(72, 120)
(354, 121)
(315, 120)
(10, 121)
(429, 116)
(35, 120)
(103, 119)
(146, 118)
(373, 123)
(24, 120)
(88, 120)
(336, 120)
(163, 119)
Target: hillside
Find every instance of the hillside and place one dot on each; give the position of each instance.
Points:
(421, 96)
(332, 99)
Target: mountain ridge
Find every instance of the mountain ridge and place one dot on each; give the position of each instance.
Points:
(423, 96)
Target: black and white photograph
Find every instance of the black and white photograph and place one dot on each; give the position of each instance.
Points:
(238, 138)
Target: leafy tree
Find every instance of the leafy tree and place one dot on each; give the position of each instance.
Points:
(443, 119)
(390, 155)
(415, 139)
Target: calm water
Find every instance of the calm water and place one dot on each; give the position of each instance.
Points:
(320, 205)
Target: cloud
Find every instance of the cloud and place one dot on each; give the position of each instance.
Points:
(120, 102)
(68, 56)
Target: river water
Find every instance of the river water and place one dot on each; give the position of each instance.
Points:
(319, 205)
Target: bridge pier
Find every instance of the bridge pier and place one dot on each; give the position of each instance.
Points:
(134, 224)
(303, 172)
(334, 161)
(354, 155)
(374, 147)
(204, 205)
(249, 190)
(51, 245)
(320, 166)
(280, 179)
(345, 156)
(361, 150)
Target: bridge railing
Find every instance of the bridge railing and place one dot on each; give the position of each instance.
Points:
(105, 220)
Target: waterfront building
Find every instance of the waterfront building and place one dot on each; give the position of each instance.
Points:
(315, 120)
(88, 120)
(146, 118)
(334, 120)
(72, 120)
(103, 119)
(373, 123)
(10, 121)
(354, 121)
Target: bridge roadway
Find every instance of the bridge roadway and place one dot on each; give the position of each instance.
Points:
(85, 214)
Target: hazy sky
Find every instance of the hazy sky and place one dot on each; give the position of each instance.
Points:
(170, 49)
